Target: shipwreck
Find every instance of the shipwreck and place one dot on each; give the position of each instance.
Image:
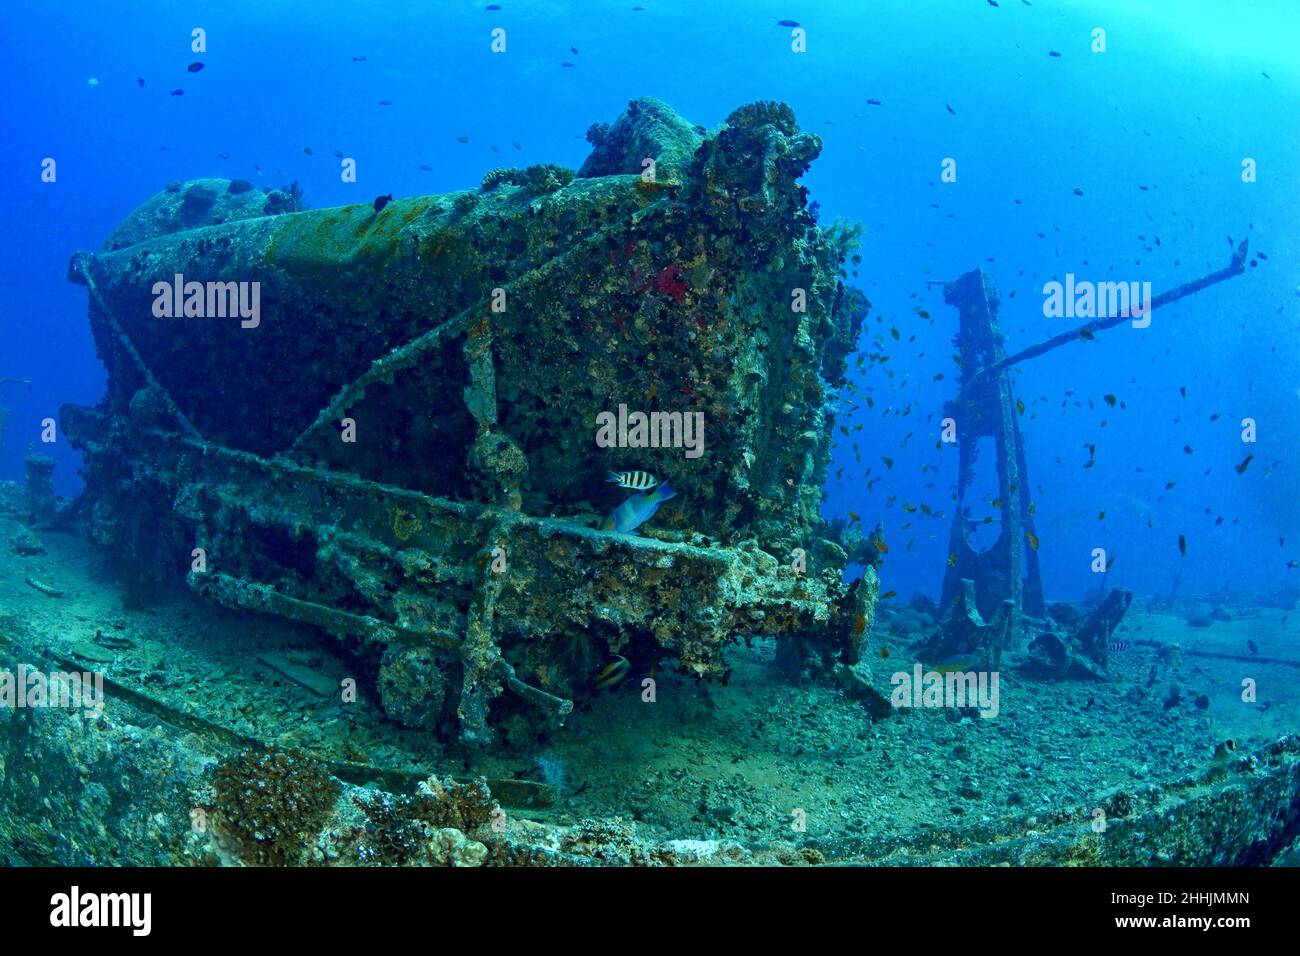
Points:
(400, 448)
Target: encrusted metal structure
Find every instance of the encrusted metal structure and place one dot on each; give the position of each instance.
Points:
(987, 410)
(400, 447)
(989, 593)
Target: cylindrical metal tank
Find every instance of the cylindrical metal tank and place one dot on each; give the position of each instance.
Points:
(465, 350)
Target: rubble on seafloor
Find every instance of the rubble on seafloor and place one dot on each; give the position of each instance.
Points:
(214, 746)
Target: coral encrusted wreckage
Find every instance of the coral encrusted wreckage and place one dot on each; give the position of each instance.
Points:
(399, 447)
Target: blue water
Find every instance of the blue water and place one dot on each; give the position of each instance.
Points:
(1175, 103)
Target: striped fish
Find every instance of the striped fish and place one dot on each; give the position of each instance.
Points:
(636, 480)
(612, 673)
(1118, 647)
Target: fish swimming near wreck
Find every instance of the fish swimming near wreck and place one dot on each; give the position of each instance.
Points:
(612, 673)
(957, 662)
(1223, 753)
(637, 510)
(636, 480)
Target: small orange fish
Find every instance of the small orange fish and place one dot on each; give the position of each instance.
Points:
(888, 594)
(879, 544)
(1032, 539)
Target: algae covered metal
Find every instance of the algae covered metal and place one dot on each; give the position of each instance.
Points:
(383, 419)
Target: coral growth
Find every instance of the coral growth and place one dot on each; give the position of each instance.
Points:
(540, 179)
(431, 826)
(670, 282)
(612, 842)
(845, 237)
(274, 802)
(765, 113)
(446, 803)
(285, 199)
(198, 200)
(552, 771)
(649, 129)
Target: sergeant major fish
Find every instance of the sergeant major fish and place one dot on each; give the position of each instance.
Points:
(636, 480)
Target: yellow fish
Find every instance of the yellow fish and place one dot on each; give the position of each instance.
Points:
(958, 662)
(612, 673)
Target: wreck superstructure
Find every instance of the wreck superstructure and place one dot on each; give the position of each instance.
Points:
(400, 447)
